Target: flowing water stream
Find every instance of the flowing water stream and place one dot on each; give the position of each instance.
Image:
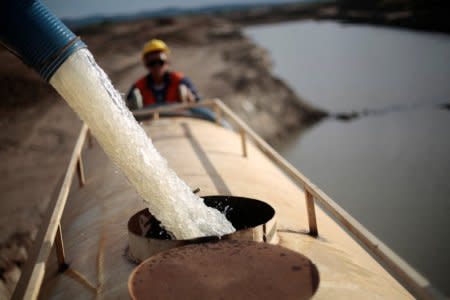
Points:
(88, 90)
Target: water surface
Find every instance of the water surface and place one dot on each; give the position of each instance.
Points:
(389, 169)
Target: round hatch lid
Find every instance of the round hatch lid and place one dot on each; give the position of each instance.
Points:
(225, 270)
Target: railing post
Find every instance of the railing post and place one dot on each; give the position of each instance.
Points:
(312, 222)
(59, 246)
(218, 113)
(50, 234)
(243, 141)
(80, 171)
(90, 139)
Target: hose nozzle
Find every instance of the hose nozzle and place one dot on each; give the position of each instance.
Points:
(36, 36)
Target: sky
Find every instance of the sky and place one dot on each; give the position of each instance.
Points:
(84, 8)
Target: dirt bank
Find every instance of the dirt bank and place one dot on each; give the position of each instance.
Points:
(39, 129)
(217, 57)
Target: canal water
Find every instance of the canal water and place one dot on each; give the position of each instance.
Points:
(390, 167)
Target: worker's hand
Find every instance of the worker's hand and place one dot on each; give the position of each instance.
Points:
(186, 95)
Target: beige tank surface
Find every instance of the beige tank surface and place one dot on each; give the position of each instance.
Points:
(214, 159)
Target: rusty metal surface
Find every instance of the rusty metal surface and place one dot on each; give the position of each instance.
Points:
(225, 270)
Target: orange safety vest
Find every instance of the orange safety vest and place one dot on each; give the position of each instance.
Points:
(172, 94)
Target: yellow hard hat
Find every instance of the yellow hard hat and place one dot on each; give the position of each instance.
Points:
(155, 45)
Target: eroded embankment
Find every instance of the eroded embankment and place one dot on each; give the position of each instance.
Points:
(219, 59)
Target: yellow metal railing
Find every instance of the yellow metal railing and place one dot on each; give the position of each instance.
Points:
(414, 281)
(50, 234)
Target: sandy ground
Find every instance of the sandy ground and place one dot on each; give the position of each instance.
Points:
(39, 129)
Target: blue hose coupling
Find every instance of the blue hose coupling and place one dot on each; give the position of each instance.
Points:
(36, 36)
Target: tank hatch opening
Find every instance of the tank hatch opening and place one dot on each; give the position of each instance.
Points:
(254, 220)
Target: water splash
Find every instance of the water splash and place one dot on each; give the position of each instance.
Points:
(88, 90)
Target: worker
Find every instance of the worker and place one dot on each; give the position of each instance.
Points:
(160, 85)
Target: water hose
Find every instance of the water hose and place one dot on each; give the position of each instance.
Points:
(39, 38)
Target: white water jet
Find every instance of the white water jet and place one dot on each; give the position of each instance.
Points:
(88, 90)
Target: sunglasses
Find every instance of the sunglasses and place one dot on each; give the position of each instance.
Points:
(155, 63)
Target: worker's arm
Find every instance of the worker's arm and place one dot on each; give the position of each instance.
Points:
(188, 83)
